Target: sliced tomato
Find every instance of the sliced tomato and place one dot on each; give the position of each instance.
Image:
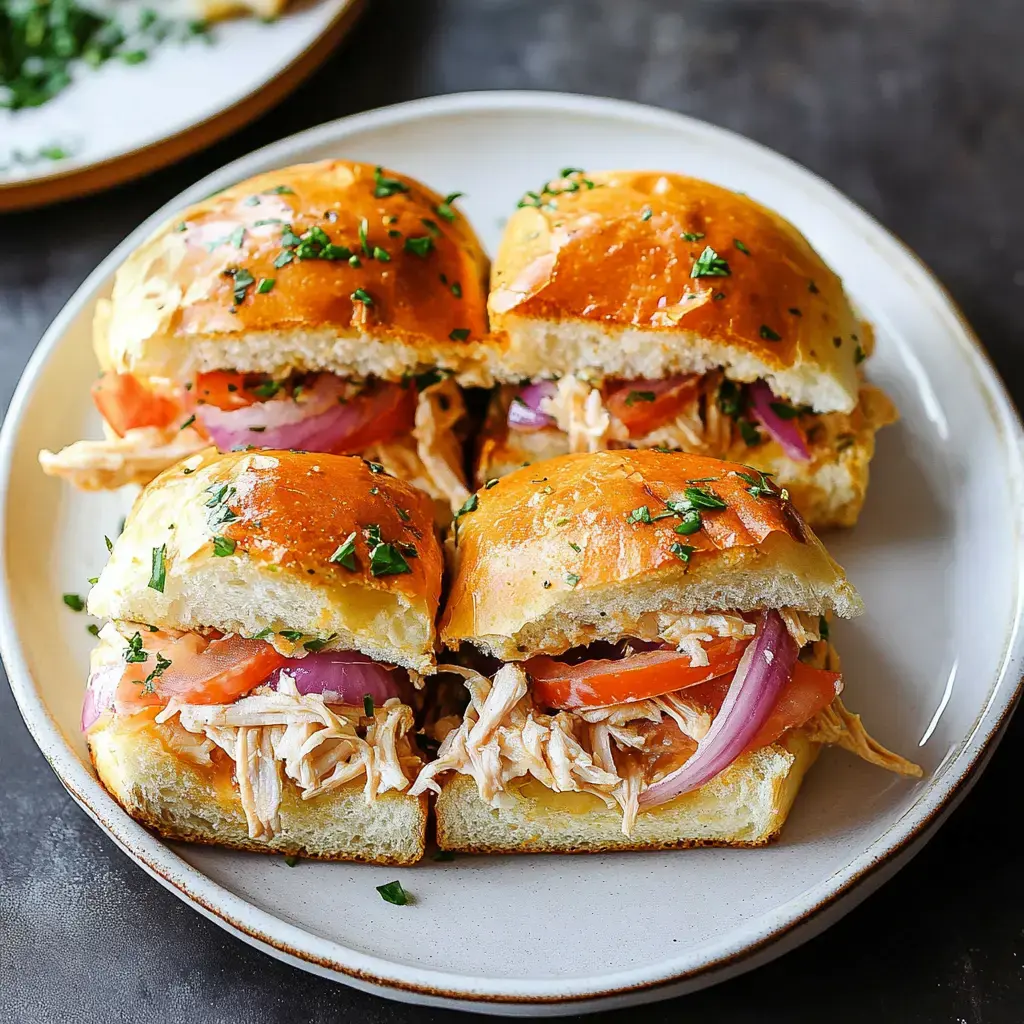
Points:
(126, 403)
(386, 410)
(644, 405)
(201, 671)
(556, 684)
(225, 390)
(808, 691)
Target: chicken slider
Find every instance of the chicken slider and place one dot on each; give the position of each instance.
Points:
(322, 307)
(662, 672)
(269, 613)
(649, 310)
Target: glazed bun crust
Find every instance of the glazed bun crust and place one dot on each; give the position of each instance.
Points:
(549, 559)
(173, 311)
(601, 282)
(281, 517)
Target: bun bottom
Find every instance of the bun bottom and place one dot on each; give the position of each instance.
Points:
(746, 805)
(189, 803)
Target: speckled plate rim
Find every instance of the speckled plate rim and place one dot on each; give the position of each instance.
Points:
(787, 924)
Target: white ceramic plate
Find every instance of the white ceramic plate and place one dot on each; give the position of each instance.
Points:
(934, 664)
(121, 119)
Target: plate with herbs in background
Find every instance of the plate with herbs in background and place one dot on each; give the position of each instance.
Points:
(93, 92)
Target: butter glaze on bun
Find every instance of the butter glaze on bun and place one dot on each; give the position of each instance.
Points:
(249, 542)
(560, 553)
(173, 312)
(600, 280)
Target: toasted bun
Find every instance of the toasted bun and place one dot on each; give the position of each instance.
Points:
(746, 805)
(828, 491)
(600, 280)
(181, 800)
(172, 313)
(522, 588)
(291, 513)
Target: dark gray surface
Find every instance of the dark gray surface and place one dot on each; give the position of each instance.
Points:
(913, 108)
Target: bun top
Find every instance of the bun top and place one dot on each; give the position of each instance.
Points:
(587, 547)
(317, 545)
(647, 274)
(267, 275)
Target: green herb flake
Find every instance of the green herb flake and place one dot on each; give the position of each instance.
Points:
(575, 547)
(262, 634)
(859, 355)
(823, 627)
(572, 578)
(384, 187)
(768, 334)
(363, 296)
(158, 576)
(291, 860)
(237, 237)
(750, 434)
(74, 602)
(469, 505)
(345, 555)
(223, 546)
(393, 893)
(444, 208)
(639, 396)
(459, 334)
(317, 644)
(266, 285)
(742, 248)
(701, 497)
(364, 244)
(381, 254)
(710, 264)
(109, 543)
(93, 629)
(784, 410)
(647, 213)
(188, 422)
(134, 653)
(291, 635)
(283, 259)
(444, 856)
(681, 551)
(692, 236)
(162, 664)
(368, 705)
(421, 245)
(639, 515)
(490, 483)
(456, 290)
(279, 190)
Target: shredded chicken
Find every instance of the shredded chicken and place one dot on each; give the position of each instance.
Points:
(689, 633)
(136, 458)
(837, 726)
(274, 734)
(579, 412)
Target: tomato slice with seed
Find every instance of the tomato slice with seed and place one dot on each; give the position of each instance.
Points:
(225, 389)
(201, 671)
(556, 684)
(126, 403)
(644, 405)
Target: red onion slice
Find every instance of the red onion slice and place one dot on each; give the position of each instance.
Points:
(347, 676)
(766, 665)
(99, 692)
(316, 421)
(785, 432)
(524, 412)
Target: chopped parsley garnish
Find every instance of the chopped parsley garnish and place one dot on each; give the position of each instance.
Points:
(742, 248)
(354, 261)
(384, 187)
(279, 190)
(812, 287)
(710, 264)
(282, 259)
(266, 389)
(291, 860)
(363, 296)
(469, 505)
(859, 355)
(444, 208)
(823, 627)
(701, 497)
(223, 546)
(188, 422)
(134, 653)
(291, 635)
(385, 558)
(374, 467)
(262, 634)
(692, 236)
(760, 485)
(575, 547)
(93, 629)
(490, 483)
(750, 434)
(346, 553)
(242, 281)
(459, 334)
(421, 245)
(784, 410)
(768, 334)
(368, 705)
(364, 244)
(381, 254)
(456, 290)
(266, 285)
(639, 396)
(572, 578)
(158, 576)
(162, 664)
(718, 296)
(647, 213)
(393, 893)
(681, 551)
(639, 515)
(109, 543)
(730, 399)
(74, 602)
(690, 522)
(237, 237)
(317, 644)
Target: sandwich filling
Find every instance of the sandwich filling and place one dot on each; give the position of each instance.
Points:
(638, 723)
(256, 718)
(706, 414)
(410, 426)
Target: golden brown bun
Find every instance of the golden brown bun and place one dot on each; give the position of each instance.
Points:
(173, 314)
(598, 280)
(828, 490)
(746, 805)
(521, 587)
(292, 512)
(183, 801)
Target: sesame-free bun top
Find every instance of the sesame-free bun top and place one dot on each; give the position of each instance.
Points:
(600, 280)
(561, 553)
(173, 311)
(249, 542)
